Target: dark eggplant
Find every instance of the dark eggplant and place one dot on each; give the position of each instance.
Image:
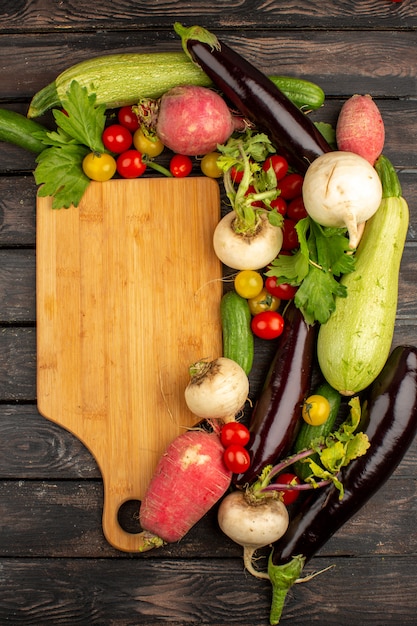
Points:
(390, 422)
(275, 420)
(257, 98)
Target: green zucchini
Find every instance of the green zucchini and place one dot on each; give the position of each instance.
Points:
(238, 341)
(20, 131)
(123, 79)
(308, 433)
(355, 342)
(306, 95)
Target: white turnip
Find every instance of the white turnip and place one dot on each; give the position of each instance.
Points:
(217, 389)
(243, 251)
(189, 479)
(192, 120)
(253, 522)
(250, 235)
(342, 189)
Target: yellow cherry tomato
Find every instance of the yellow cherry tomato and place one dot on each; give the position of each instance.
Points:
(209, 165)
(248, 283)
(264, 301)
(152, 146)
(99, 167)
(316, 410)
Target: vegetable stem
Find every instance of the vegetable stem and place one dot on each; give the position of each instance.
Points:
(198, 33)
(155, 166)
(282, 578)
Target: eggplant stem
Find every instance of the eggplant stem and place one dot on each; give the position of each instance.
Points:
(282, 579)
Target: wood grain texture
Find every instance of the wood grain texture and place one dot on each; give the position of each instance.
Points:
(56, 566)
(22, 15)
(187, 592)
(123, 309)
(364, 64)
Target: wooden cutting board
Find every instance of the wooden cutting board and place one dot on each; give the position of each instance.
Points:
(128, 293)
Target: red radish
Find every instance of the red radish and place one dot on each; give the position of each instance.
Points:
(192, 120)
(360, 128)
(189, 479)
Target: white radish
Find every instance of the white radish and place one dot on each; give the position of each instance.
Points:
(217, 389)
(244, 251)
(253, 522)
(342, 189)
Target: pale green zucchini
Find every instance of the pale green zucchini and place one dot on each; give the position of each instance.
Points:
(121, 79)
(355, 343)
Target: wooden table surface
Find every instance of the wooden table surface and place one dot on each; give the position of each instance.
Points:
(55, 564)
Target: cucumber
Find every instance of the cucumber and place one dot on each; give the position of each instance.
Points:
(20, 131)
(355, 342)
(306, 95)
(123, 79)
(308, 433)
(238, 341)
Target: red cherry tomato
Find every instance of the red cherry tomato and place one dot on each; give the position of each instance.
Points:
(280, 205)
(234, 432)
(291, 186)
(236, 458)
(267, 325)
(296, 210)
(279, 165)
(283, 291)
(117, 138)
(180, 165)
(130, 164)
(236, 174)
(289, 234)
(128, 118)
(288, 496)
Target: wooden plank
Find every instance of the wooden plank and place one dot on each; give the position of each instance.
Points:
(370, 591)
(17, 279)
(68, 513)
(17, 364)
(355, 59)
(18, 360)
(34, 448)
(243, 15)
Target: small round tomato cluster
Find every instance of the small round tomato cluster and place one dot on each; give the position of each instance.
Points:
(289, 203)
(264, 299)
(234, 437)
(128, 149)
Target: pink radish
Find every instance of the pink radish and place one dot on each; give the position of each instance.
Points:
(360, 128)
(189, 479)
(192, 120)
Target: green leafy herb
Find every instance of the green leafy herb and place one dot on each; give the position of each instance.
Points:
(61, 175)
(79, 131)
(324, 255)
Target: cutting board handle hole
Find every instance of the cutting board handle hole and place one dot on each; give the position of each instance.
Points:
(128, 516)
